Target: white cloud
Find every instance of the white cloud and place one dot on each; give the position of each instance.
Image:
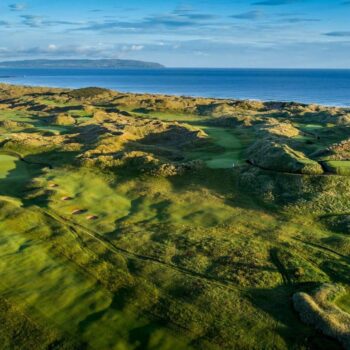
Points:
(134, 47)
(52, 47)
(137, 47)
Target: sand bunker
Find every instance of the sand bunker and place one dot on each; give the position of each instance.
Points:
(92, 217)
(53, 185)
(78, 211)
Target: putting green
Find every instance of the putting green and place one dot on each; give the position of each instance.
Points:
(310, 126)
(230, 143)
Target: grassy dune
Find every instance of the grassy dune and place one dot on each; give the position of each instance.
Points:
(129, 228)
(320, 311)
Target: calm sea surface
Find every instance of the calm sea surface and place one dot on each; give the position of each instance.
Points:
(327, 87)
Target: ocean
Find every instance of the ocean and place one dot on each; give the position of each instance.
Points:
(327, 87)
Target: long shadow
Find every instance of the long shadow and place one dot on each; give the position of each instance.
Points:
(224, 182)
(19, 178)
(118, 303)
(139, 335)
(277, 302)
(280, 267)
(89, 134)
(66, 109)
(136, 206)
(19, 181)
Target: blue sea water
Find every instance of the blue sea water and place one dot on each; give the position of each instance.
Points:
(321, 86)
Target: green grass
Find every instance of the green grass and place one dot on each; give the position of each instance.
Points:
(309, 127)
(14, 174)
(89, 192)
(313, 126)
(7, 163)
(338, 167)
(81, 116)
(165, 116)
(16, 116)
(51, 287)
(344, 302)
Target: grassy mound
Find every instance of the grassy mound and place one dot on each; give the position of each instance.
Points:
(13, 125)
(272, 155)
(281, 129)
(318, 194)
(89, 92)
(63, 119)
(320, 311)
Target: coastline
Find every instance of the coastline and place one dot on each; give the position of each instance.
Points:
(308, 86)
(172, 95)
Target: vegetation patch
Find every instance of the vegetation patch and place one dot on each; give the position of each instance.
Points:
(270, 154)
(88, 92)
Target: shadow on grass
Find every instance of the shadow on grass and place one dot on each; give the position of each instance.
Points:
(277, 302)
(19, 181)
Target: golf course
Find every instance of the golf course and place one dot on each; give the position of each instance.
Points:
(140, 221)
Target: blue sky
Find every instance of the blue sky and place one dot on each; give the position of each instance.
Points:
(208, 33)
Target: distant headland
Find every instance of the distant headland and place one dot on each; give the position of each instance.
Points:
(80, 63)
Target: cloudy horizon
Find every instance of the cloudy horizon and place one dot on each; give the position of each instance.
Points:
(266, 33)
